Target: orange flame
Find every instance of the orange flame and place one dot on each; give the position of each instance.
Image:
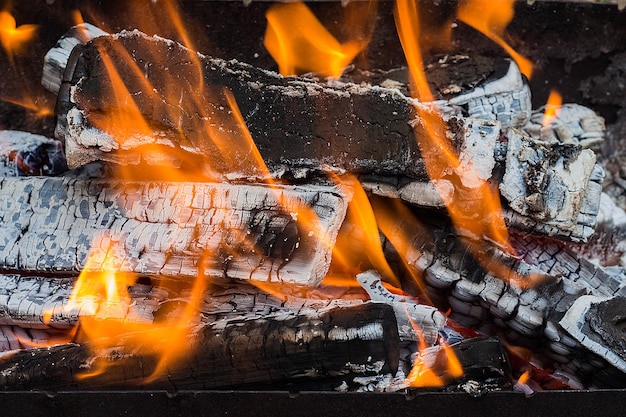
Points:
(14, 38)
(479, 213)
(232, 150)
(100, 296)
(437, 150)
(435, 367)
(491, 18)
(552, 109)
(299, 43)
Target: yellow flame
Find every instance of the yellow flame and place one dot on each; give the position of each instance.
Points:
(299, 43)
(552, 109)
(14, 38)
(491, 18)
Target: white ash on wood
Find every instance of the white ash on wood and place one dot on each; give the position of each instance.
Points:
(472, 280)
(372, 130)
(336, 343)
(240, 231)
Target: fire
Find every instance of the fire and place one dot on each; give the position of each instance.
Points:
(435, 367)
(299, 43)
(101, 299)
(360, 249)
(437, 149)
(12, 37)
(491, 18)
(552, 109)
(101, 291)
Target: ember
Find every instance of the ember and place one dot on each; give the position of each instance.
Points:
(201, 222)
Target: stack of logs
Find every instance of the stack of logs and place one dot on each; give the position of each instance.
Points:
(239, 228)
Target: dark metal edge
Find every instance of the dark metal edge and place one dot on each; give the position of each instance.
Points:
(280, 403)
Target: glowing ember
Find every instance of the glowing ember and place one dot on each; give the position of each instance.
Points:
(299, 43)
(553, 106)
(491, 18)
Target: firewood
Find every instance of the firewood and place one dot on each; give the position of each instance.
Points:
(522, 298)
(368, 130)
(339, 342)
(23, 153)
(241, 231)
(35, 302)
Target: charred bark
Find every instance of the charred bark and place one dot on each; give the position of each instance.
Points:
(302, 126)
(339, 343)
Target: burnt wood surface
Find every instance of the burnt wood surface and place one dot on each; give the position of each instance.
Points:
(63, 224)
(339, 342)
(521, 297)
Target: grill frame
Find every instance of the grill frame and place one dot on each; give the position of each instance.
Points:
(307, 403)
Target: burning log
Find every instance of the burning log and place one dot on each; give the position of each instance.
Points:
(357, 340)
(372, 129)
(62, 225)
(523, 298)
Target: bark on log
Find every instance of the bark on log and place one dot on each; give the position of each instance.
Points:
(340, 342)
(31, 302)
(240, 231)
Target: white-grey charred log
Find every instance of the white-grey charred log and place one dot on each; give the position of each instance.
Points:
(340, 342)
(478, 283)
(65, 225)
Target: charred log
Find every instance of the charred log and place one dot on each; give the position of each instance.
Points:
(369, 130)
(339, 342)
(523, 299)
(241, 231)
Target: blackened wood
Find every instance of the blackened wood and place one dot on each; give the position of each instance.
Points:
(359, 340)
(346, 127)
(23, 153)
(239, 231)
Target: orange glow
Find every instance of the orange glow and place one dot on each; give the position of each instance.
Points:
(100, 296)
(359, 248)
(491, 18)
(12, 37)
(400, 227)
(437, 150)
(552, 109)
(41, 110)
(524, 377)
(478, 215)
(299, 43)
(435, 369)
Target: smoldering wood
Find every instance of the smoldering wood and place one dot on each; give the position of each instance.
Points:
(43, 303)
(598, 324)
(572, 123)
(23, 153)
(552, 188)
(478, 285)
(485, 363)
(364, 129)
(55, 61)
(339, 342)
(66, 225)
